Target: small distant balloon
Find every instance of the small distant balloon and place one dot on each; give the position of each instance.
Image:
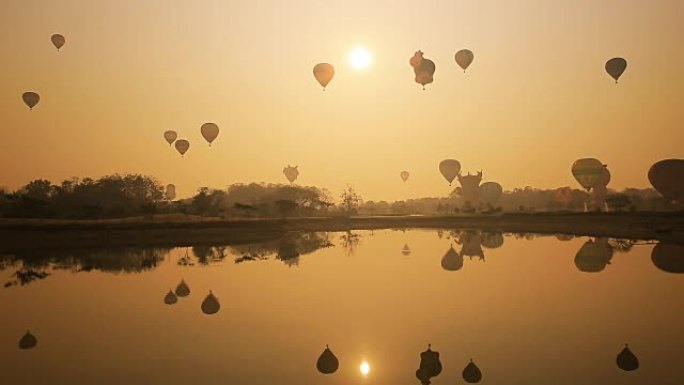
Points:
(210, 132)
(406, 250)
(404, 175)
(291, 173)
(170, 136)
(464, 58)
(170, 298)
(28, 341)
(182, 146)
(667, 177)
(626, 360)
(327, 362)
(31, 99)
(210, 305)
(449, 169)
(170, 192)
(423, 68)
(58, 41)
(324, 72)
(616, 67)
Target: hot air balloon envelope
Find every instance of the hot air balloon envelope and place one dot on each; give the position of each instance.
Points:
(667, 177)
(210, 305)
(626, 360)
(182, 290)
(449, 169)
(588, 172)
(464, 58)
(170, 298)
(323, 72)
(471, 373)
(616, 67)
(31, 99)
(404, 175)
(209, 132)
(452, 261)
(668, 257)
(58, 40)
(28, 341)
(291, 173)
(170, 136)
(182, 146)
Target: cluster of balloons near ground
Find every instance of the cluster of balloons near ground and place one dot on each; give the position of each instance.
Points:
(210, 304)
(424, 69)
(430, 365)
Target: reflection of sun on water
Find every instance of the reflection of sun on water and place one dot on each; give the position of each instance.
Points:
(360, 58)
(364, 368)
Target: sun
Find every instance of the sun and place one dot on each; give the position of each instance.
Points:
(364, 368)
(360, 58)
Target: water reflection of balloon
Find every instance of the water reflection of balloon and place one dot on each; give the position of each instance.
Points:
(593, 256)
(170, 298)
(182, 290)
(452, 261)
(327, 362)
(182, 146)
(449, 169)
(423, 68)
(492, 240)
(471, 373)
(28, 341)
(291, 173)
(210, 305)
(210, 132)
(626, 360)
(616, 67)
(30, 99)
(406, 250)
(58, 40)
(588, 172)
(430, 366)
(668, 257)
(464, 58)
(404, 175)
(565, 237)
(323, 72)
(667, 177)
(170, 136)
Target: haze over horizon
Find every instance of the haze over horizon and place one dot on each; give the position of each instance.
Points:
(535, 99)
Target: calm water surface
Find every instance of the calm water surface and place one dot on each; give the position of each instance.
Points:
(527, 310)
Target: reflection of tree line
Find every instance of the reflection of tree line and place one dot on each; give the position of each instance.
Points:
(287, 248)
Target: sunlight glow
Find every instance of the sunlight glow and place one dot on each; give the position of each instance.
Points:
(364, 368)
(360, 57)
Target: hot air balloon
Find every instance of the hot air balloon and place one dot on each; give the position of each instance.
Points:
(626, 360)
(209, 132)
(31, 99)
(490, 192)
(423, 68)
(593, 256)
(182, 146)
(430, 366)
(449, 169)
(182, 290)
(668, 257)
(588, 172)
(464, 58)
(667, 177)
(291, 173)
(563, 195)
(210, 305)
(170, 298)
(404, 175)
(406, 250)
(170, 136)
(170, 192)
(323, 72)
(327, 362)
(471, 373)
(616, 67)
(452, 261)
(28, 341)
(58, 40)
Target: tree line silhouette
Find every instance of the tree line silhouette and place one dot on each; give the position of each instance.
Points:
(132, 195)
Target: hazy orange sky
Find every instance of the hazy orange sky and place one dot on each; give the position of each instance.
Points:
(535, 98)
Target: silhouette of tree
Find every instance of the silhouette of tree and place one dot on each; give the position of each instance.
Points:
(350, 200)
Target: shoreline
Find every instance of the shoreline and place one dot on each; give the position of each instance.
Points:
(34, 234)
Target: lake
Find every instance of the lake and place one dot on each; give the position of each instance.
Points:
(526, 309)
